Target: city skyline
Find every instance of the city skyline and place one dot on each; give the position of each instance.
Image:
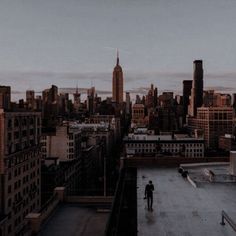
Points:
(65, 43)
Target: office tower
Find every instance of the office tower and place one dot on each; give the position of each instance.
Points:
(63, 104)
(5, 97)
(214, 122)
(19, 168)
(187, 86)
(197, 88)
(77, 100)
(39, 103)
(151, 97)
(128, 103)
(30, 99)
(155, 97)
(91, 100)
(50, 106)
(117, 83)
(210, 98)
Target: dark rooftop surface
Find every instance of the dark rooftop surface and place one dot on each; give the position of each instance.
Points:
(182, 210)
(74, 220)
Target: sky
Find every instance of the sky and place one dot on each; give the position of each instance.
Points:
(65, 42)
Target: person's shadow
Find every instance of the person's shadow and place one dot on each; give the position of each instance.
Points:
(150, 217)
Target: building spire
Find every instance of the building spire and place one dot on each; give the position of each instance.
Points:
(117, 57)
(77, 90)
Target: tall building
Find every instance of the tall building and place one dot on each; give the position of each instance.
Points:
(117, 83)
(151, 98)
(30, 99)
(197, 88)
(20, 163)
(187, 87)
(91, 100)
(5, 97)
(128, 103)
(50, 106)
(77, 100)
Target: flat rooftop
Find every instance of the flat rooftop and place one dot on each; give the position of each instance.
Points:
(179, 209)
(74, 220)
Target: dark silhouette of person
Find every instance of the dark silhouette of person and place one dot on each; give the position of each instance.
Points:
(149, 194)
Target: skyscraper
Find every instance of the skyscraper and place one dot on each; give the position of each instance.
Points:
(117, 83)
(197, 88)
(128, 103)
(77, 100)
(187, 86)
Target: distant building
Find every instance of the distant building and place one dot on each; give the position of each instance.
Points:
(212, 99)
(20, 162)
(214, 122)
(187, 87)
(114, 123)
(128, 104)
(138, 115)
(91, 105)
(63, 143)
(141, 143)
(227, 142)
(77, 101)
(151, 98)
(30, 99)
(5, 97)
(197, 88)
(117, 83)
(50, 106)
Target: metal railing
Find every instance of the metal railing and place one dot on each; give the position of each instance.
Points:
(224, 217)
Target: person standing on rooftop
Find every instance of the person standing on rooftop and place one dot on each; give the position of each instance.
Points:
(149, 194)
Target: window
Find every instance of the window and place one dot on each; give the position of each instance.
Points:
(9, 176)
(9, 202)
(9, 229)
(9, 189)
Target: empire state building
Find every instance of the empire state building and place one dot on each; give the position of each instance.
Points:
(117, 83)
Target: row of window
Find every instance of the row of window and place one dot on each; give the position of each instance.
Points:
(164, 145)
(23, 121)
(19, 219)
(23, 169)
(17, 159)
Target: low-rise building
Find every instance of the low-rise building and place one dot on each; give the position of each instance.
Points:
(144, 143)
(63, 143)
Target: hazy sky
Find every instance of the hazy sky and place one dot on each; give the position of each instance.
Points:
(65, 41)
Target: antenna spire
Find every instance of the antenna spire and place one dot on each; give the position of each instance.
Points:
(117, 57)
(77, 90)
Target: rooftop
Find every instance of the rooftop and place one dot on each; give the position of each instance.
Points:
(74, 220)
(180, 208)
